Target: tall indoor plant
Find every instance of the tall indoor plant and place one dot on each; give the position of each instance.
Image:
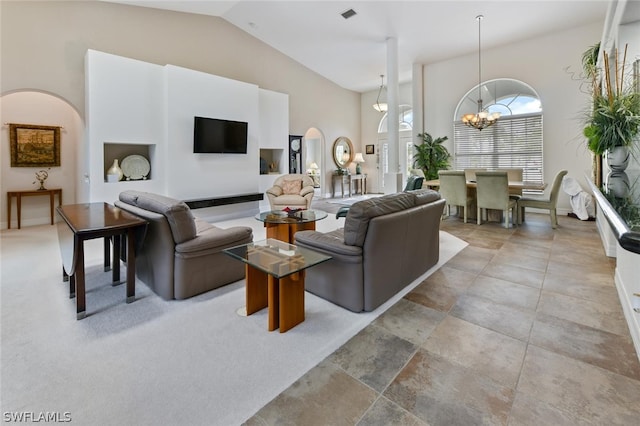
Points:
(431, 155)
(614, 120)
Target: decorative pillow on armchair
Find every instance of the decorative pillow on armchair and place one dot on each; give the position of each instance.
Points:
(292, 187)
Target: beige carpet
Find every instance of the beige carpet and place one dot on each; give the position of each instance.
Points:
(151, 362)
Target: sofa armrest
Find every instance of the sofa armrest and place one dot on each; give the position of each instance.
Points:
(216, 239)
(329, 242)
(276, 191)
(306, 190)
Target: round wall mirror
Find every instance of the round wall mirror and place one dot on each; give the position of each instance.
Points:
(342, 152)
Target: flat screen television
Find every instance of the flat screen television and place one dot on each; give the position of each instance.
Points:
(213, 135)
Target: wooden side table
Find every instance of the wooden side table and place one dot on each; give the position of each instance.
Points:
(32, 192)
(83, 222)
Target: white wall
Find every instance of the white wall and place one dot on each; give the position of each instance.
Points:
(546, 64)
(30, 107)
(131, 102)
(125, 105)
(44, 44)
(188, 175)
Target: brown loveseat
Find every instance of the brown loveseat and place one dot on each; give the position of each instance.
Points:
(181, 256)
(386, 243)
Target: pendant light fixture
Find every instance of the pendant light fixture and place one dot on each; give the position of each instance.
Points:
(381, 105)
(482, 118)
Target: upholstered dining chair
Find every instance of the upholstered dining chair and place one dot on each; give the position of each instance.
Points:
(453, 188)
(492, 192)
(547, 203)
(470, 174)
(514, 175)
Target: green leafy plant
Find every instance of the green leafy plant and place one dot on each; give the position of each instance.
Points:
(431, 156)
(614, 119)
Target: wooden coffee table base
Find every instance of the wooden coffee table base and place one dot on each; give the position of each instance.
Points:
(284, 297)
(285, 231)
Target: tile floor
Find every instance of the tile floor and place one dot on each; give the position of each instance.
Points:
(523, 327)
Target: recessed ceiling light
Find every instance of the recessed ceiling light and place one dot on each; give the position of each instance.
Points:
(348, 13)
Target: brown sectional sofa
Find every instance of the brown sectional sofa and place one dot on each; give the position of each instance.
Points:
(386, 243)
(181, 256)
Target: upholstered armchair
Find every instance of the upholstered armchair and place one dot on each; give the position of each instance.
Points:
(294, 191)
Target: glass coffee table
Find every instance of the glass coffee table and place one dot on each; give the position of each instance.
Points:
(282, 225)
(275, 279)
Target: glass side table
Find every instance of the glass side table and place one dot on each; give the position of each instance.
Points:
(275, 273)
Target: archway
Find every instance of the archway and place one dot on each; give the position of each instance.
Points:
(37, 107)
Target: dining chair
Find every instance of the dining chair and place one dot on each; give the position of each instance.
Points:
(492, 192)
(453, 188)
(514, 175)
(470, 174)
(547, 203)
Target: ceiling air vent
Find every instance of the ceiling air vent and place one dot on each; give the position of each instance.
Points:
(348, 13)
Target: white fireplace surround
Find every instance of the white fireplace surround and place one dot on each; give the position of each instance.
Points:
(151, 107)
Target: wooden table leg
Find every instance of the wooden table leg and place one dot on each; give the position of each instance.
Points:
(52, 197)
(9, 199)
(278, 231)
(19, 208)
(72, 286)
(291, 300)
(274, 302)
(131, 265)
(79, 281)
(115, 266)
(107, 254)
(255, 290)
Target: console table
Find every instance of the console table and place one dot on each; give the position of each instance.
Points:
(28, 193)
(349, 180)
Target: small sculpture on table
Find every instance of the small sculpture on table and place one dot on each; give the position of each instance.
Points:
(41, 176)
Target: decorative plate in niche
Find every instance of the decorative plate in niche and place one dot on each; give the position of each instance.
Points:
(135, 167)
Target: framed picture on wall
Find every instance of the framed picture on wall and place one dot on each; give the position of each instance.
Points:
(34, 146)
(370, 149)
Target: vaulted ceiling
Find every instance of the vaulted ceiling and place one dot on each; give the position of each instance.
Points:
(353, 52)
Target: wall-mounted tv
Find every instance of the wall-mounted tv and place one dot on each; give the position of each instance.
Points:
(212, 135)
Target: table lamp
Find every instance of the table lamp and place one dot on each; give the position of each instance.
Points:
(358, 160)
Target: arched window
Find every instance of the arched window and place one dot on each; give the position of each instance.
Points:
(405, 119)
(515, 141)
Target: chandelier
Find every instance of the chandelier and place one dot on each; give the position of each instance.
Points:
(380, 106)
(482, 118)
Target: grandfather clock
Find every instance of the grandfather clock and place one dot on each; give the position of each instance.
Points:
(295, 154)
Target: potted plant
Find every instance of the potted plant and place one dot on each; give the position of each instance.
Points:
(614, 120)
(431, 156)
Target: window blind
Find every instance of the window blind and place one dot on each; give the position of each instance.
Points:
(512, 142)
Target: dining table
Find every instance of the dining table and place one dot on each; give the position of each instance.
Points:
(471, 189)
(515, 185)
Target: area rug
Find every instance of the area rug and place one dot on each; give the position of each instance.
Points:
(194, 362)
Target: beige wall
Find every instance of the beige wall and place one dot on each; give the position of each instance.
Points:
(44, 44)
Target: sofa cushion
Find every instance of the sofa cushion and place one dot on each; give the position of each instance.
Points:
(291, 187)
(178, 214)
(425, 196)
(357, 221)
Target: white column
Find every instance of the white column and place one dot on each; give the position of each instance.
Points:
(417, 100)
(391, 184)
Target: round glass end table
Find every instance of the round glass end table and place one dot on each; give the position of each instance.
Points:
(282, 225)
